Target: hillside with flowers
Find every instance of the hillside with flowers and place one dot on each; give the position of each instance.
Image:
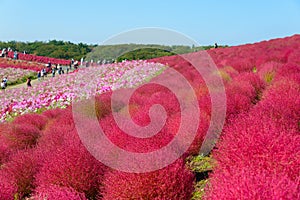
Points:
(43, 151)
(20, 66)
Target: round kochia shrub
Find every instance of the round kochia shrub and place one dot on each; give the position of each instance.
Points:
(258, 153)
(20, 171)
(54, 113)
(20, 136)
(7, 187)
(71, 165)
(172, 182)
(38, 121)
(5, 151)
(54, 192)
(249, 183)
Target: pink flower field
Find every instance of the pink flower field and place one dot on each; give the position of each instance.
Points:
(43, 154)
(60, 91)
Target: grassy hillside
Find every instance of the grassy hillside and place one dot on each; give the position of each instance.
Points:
(137, 51)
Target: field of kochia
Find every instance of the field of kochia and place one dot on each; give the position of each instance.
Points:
(256, 157)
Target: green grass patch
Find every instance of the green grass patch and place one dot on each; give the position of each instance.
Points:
(201, 166)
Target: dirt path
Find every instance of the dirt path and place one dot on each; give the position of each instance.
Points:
(33, 83)
(36, 81)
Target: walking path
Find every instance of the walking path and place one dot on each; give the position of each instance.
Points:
(36, 81)
(33, 83)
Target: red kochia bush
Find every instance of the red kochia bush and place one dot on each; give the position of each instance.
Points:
(21, 169)
(54, 113)
(71, 166)
(172, 182)
(7, 187)
(262, 143)
(290, 70)
(40, 59)
(249, 183)
(272, 156)
(65, 161)
(259, 153)
(59, 132)
(253, 79)
(240, 97)
(204, 122)
(20, 66)
(54, 192)
(268, 70)
(21, 136)
(131, 143)
(39, 121)
(5, 151)
(282, 101)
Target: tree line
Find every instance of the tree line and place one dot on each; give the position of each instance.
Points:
(53, 48)
(68, 50)
(139, 51)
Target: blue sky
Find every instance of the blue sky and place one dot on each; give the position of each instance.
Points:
(229, 22)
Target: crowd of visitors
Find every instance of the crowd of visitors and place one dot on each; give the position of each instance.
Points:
(4, 52)
(51, 69)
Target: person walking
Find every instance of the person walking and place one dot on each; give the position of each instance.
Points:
(45, 72)
(42, 74)
(28, 82)
(216, 46)
(68, 69)
(5, 80)
(3, 52)
(39, 75)
(53, 72)
(3, 85)
(59, 68)
(15, 55)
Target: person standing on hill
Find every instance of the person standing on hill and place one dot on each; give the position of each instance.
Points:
(28, 82)
(53, 71)
(5, 80)
(42, 74)
(81, 61)
(61, 69)
(3, 52)
(39, 75)
(76, 64)
(49, 65)
(15, 57)
(68, 69)
(3, 85)
(216, 46)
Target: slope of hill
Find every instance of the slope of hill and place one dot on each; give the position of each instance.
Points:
(138, 51)
(257, 156)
